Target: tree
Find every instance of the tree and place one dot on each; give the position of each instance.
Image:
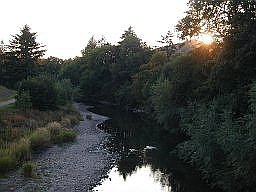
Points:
(42, 91)
(2, 56)
(132, 52)
(51, 65)
(220, 18)
(167, 43)
(92, 44)
(10, 70)
(26, 49)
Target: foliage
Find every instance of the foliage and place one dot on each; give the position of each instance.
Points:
(66, 135)
(19, 59)
(24, 132)
(206, 92)
(42, 91)
(23, 101)
(28, 169)
(220, 18)
(59, 134)
(24, 45)
(203, 91)
(104, 71)
(22, 150)
(40, 139)
(7, 163)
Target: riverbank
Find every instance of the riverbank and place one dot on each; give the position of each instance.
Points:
(4, 103)
(70, 167)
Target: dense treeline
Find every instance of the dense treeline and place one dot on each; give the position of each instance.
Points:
(204, 91)
(38, 81)
(105, 71)
(42, 114)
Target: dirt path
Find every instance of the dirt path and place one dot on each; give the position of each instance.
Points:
(72, 167)
(3, 103)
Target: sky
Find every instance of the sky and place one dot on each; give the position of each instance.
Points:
(65, 26)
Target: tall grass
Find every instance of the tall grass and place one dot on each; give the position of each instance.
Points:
(22, 133)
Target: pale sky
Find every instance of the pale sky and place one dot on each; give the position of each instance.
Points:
(65, 26)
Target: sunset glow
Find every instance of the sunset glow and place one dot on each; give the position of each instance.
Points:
(206, 38)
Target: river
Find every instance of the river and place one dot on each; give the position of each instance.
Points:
(145, 159)
(123, 153)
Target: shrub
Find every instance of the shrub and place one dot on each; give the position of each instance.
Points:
(23, 100)
(40, 139)
(45, 92)
(42, 92)
(21, 150)
(28, 169)
(66, 135)
(66, 122)
(65, 91)
(55, 130)
(74, 119)
(7, 163)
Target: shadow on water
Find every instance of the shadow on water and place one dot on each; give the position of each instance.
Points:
(145, 160)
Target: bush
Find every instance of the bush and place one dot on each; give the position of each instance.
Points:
(23, 100)
(74, 119)
(60, 134)
(42, 91)
(66, 135)
(7, 163)
(21, 150)
(66, 122)
(40, 139)
(28, 169)
(55, 130)
(65, 91)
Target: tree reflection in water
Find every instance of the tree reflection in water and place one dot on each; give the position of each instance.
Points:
(141, 168)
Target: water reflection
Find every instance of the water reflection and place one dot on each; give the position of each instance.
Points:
(142, 179)
(145, 163)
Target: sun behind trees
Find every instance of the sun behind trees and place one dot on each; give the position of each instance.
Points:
(205, 91)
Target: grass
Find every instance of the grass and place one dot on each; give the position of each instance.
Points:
(8, 108)
(60, 133)
(66, 135)
(40, 139)
(21, 150)
(6, 94)
(7, 163)
(22, 133)
(29, 169)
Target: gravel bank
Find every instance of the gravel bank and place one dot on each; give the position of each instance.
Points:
(72, 167)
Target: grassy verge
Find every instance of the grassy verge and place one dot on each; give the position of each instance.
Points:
(8, 108)
(22, 133)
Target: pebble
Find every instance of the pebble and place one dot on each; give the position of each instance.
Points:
(71, 167)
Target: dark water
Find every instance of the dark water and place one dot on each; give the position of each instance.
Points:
(145, 163)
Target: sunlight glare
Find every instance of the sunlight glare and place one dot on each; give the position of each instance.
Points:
(206, 38)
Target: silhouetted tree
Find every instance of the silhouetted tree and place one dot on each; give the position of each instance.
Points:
(26, 49)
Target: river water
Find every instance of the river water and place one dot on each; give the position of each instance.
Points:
(145, 159)
(134, 153)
